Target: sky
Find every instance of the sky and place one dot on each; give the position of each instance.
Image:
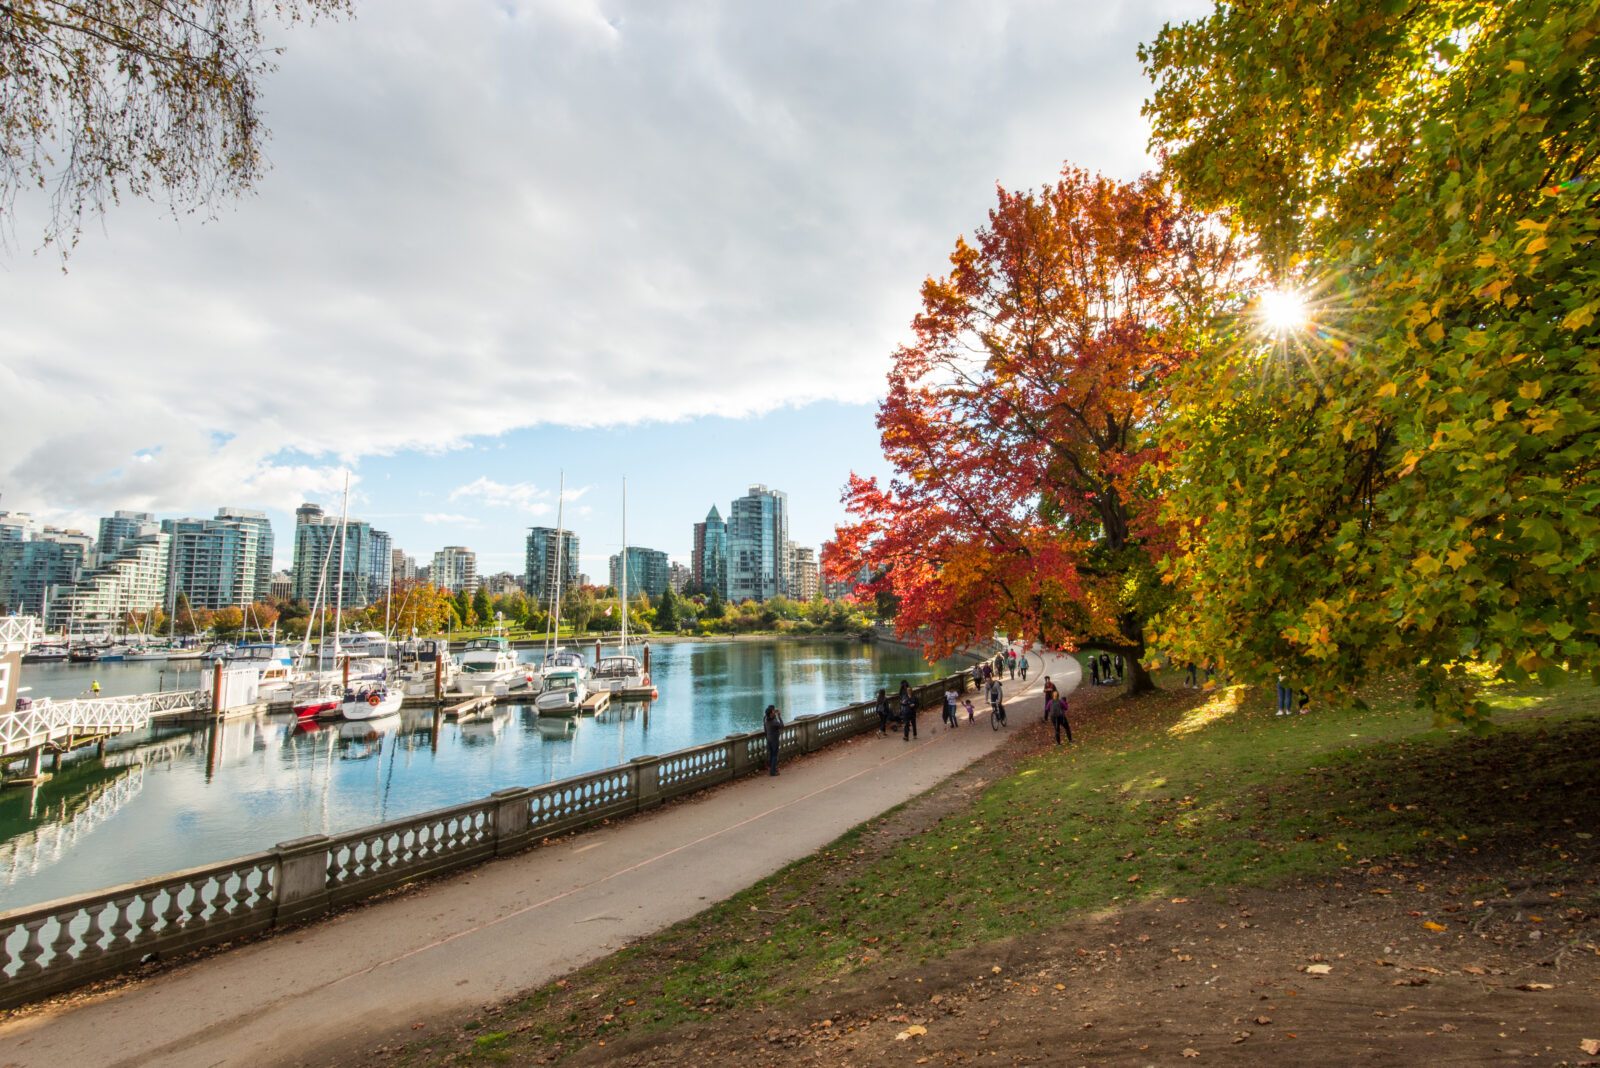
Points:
(503, 241)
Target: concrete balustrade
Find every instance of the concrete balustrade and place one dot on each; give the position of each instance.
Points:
(48, 948)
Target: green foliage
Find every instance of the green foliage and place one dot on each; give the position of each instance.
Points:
(666, 616)
(1413, 480)
(481, 606)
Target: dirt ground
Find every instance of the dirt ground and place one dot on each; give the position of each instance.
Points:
(1339, 972)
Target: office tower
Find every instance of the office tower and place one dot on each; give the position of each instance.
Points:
(647, 571)
(455, 568)
(542, 557)
(367, 557)
(758, 538)
(709, 559)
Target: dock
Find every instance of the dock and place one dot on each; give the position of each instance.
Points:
(464, 710)
(597, 701)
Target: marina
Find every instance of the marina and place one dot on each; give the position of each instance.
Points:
(212, 792)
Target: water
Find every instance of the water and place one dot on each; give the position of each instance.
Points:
(166, 799)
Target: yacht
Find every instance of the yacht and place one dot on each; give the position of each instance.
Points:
(488, 660)
(146, 652)
(618, 673)
(274, 664)
(420, 660)
(366, 644)
(316, 696)
(45, 653)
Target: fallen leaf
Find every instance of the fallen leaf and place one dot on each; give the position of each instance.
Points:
(1447, 1027)
(1535, 986)
(911, 1032)
(1190, 1051)
(1263, 1020)
(1475, 969)
(995, 969)
(1430, 925)
(1591, 1046)
(1413, 980)
(1318, 969)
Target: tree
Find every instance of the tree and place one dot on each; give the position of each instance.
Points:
(1412, 479)
(481, 606)
(666, 617)
(1020, 423)
(464, 612)
(578, 607)
(715, 605)
(227, 622)
(107, 98)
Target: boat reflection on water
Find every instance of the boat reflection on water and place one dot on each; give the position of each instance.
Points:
(485, 727)
(557, 729)
(361, 739)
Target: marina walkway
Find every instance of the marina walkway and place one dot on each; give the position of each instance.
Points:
(310, 994)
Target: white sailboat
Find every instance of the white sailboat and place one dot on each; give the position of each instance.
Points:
(563, 671)
(622, 671)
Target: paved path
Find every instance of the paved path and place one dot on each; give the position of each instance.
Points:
(487, 934)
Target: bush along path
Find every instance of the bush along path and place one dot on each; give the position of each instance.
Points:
(1194, 879)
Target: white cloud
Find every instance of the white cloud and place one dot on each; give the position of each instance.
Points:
(486, 214)
(449, 518)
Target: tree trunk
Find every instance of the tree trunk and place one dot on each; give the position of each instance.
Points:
(1138, 679)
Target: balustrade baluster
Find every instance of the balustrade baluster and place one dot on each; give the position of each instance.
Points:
(121, 925)
(242, 893)
(93, 933)
(172, 915)
(65, 940)
(148, 925)
(32, 949)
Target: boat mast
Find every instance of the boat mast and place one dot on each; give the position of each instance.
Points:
(561, 546)
(338, 611)
(623, 649)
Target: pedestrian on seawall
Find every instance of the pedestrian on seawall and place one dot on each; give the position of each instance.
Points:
(883, 711)
(1049, 695)
(772, 723)
(1022, 666)
(908, 713)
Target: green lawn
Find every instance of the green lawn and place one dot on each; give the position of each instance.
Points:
(1173, 794)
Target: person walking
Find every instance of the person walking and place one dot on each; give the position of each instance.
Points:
(908, 713)
(1058, 718)
(94, 687)
(950, 709)
(1022, 666)
(1285, 696)
(772, 723)
(1049, 695)
(1094, 670)
(1011, 662)
(972, 713)
(1105, 668)
(1191, 676)
(883, 712)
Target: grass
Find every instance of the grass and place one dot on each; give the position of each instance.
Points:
(1177, 793)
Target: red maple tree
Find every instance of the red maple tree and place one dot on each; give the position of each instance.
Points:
(1020, 423)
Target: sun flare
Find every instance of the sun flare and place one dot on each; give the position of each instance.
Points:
(1284, 311)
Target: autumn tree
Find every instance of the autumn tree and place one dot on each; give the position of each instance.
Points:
(1409, 479)
(1020, 421)
(227, 622)
(101, 99)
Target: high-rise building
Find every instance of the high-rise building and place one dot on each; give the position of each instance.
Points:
(15, 526)
(32, 571)
(709, 560)
(543, 556)
(804, 580)
(119, 528)
(135, 581)
(264, 546)
(455, 568)
(758, 538)
(647, 571)
(367, 558)
(220, 562)
(502, 584)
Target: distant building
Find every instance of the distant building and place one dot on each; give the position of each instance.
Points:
(135, 581)
(32, 571)
(119, 528)
(15, 526)
(758, 539)
(220, 562)
(403, 568)
(709, 559)
(282, 587)
(804, 578)
(455, 568)
(647, 571)
(367, 556)
(502, 584)
(544, 555)
(679, 577)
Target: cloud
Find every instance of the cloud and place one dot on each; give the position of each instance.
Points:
(485, 215)
(450, 518)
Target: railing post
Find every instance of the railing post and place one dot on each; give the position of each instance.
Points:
(511, 819)
(300, 884)
(647, 781)
(738, 754)
(809, 742)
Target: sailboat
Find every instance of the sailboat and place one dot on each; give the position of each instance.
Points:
(563, 671)
(622, 672)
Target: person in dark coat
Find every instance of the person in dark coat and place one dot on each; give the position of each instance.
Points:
(772, 723)
(883, 711)
(1049, 695)
(1058, 717)
(908, 713)
(1105, 667)
(1094, 670)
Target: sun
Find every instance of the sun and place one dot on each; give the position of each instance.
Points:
(1283, 311)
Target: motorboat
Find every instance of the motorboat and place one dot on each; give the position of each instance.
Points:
(488, 659)
(274, 664)
(218, 651)
(564, 691)
(365, 644)
(83, 654)
(421, 659)
(109, 653)
(618, 673)
(370, 701)
(147, 652)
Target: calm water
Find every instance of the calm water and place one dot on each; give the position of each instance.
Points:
(167, 799)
